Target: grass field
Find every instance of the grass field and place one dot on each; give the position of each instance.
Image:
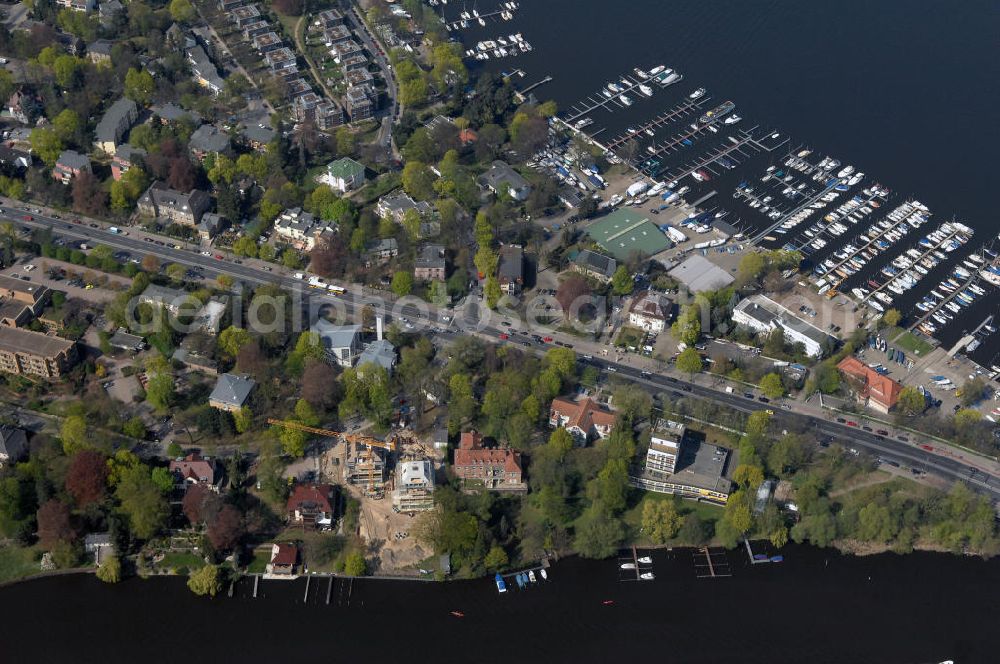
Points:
(908, 342)
(177, 560)
(16, 563)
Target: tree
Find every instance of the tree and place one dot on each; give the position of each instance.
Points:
(66, 125)
(492, 292)
(771, 386)
(571, 291)
(293, 441)
(418, 181)
(54, 525)
(355, 565)
(225, 528)
(47, 145)
(892, 317)
(689, 361)
(160, 391)
(86, 479)
(182, 11)
(622, 282)
(205, 581)
(110, 570)
(142, 501)
(233, 339)
(687, 327)
(973, 391)
(598, 533)
(496, 559)
(911, 402)
(139, 86)
(560, 444)
(402, 283)
(319, 385)
(134, 427)
(73, 433)
(660, 520)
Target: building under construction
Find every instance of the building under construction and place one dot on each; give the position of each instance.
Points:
(414, 490)
(364, 466)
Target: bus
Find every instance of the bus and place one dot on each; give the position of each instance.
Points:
(336, 290)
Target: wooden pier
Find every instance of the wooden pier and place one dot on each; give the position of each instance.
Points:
(305, 597)
(682, 110)
(711, 564)
(525, 91)
(329, 590)
(741, 144)
(256, 583)
(600, 100)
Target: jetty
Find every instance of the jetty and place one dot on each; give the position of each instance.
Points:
(711, 564)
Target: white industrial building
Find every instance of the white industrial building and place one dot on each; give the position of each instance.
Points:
(762, 315)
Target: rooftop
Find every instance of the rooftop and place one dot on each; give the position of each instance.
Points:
(700, 274)
(345, 168)
(430, 256)
(596, 262)
(209, 138)
(27, 342)
(107, 128)
(379, 352)
(626, 231)
(232, 389)
(336, 336)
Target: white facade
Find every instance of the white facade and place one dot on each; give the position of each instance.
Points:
(762, 315)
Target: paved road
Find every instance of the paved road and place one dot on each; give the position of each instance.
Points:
(384, 138)
(932, 458)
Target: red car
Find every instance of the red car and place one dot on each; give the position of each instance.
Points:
(28, 217)
(218, 257)
(547, 340)
(851, 423)
(504, 335)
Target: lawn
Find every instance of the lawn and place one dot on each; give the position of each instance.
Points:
(629, 337)
(177, 560)
(633, 517)
(261, 557)
(16, 563)
(908, 342)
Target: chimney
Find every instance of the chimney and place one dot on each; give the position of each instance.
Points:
(378, 327)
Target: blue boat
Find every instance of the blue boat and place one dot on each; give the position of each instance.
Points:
(501, 586)
(777, 559)
(520, 581)
(760, 556)
(687, 142)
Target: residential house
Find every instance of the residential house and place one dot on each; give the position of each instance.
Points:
(14, 161)
(510, 271)
(328, 114)
(650, 311)
(244, 14)
(359, 77)
(344, 175)
(255, 27)
(494, 468)
(383, 249)
(195, 469)
(204, 71)
(13, 445)
(209, 139)
(501, 178)
(585, 420)
(430, 263)
(595, 265)
(380, 353)
(23, 294)
(99, 51)
(162, 202)
(878, 392)
(359, 102)
(284, 557)
(170, 299)
(266, 42)
(763, 315)
(123, 340)
(231, 392)
(345, 49)
(170, 113)
(311, 505)
(329, 18)
(395, 205)
(85, 6)
(69, 165)
(24, 106)
(280, 60)
(665, 443)
(414, 490)
(211, 224)
(114, 123)
(258, 136)
(227, 6)
(34, 353)
(299, 228)
(336, 34)
(126, 156)
(342, 343)
(353, 63)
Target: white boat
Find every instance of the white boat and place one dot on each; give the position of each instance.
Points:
(628, 565)
(732, 119)
(545, 575)
(531, 575)
(646, 560)
(845, 171)
(625, 100)
(697, 94)
(646, 90)
(656, 70)
(640, 73)
(647, 576)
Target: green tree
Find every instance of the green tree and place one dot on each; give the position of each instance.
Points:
(911, 402)
(66, 125)
(402, 283)
(139, 86)
(687, 327)
(160, 391)
(598, 533)
(496, 559)
(142, 500)
(293, 441)
(772, 386)
(418, 180)
(560, 444)
(205, 581)
(134, 427)
(660, 520)
(355, 564)
(182, 11)
(689, 361)
(492, 292)
(892, 317)
(110, 570)
(622, 282)
(243, 419)
(73, 433)
(233, 339)
(45, 142)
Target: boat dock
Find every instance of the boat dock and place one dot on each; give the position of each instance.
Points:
(478, 18)
(927, 252)
(709, 564)
(972, 280)
(599, 100)
(805, 204)
(524, 91)
(682, 110)
(737, 148)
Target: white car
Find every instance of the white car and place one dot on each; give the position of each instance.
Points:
(29, 267)
(206, 253)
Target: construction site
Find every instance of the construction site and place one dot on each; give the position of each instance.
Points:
(393, 481)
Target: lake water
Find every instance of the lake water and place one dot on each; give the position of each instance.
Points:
(815, 607)
(905, 91)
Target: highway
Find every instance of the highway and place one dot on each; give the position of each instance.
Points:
(930, 457)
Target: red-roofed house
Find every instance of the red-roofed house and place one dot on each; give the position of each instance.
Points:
(585, 419)
(467, 137)
(283, 558)
(311, 505)
(876, 391)
(196, 469)
(495, 468)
